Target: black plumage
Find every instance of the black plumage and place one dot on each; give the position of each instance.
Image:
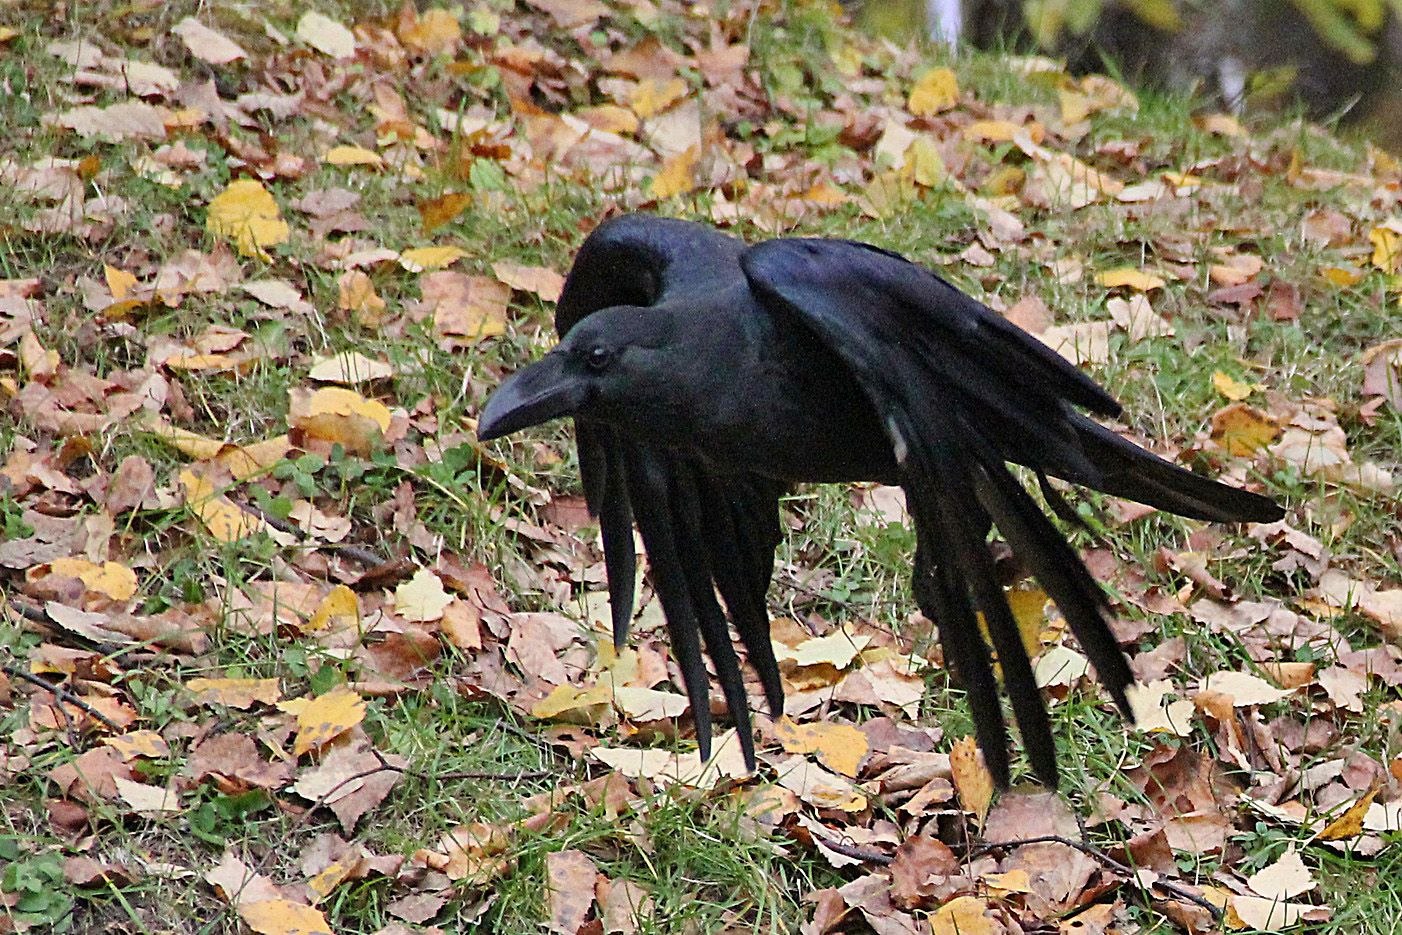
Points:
(706, 377)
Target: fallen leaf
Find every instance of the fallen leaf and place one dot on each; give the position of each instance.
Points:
(1286, 878)
(245, 213)
(569, 883)
(839, 747)
(537, 280)
(1230, 387)
(352, 156)
(1244, 688)
(422, 597)
(323, 718)
(235, 693)
(1136, 279)
(324, 34)
(284, 917)
(428, 259)
(1243, 429)
(208, 44)
(936, 90)
(972, 780)
(964, 915)
(1154, 713)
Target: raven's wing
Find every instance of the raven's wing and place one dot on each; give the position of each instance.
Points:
(703, 533)
(960, 391)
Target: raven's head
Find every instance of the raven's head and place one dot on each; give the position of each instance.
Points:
(613, 363)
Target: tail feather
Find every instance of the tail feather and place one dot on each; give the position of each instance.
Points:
(1128, 471)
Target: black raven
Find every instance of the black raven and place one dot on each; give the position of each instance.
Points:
(705, 377)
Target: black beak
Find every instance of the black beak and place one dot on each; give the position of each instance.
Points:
(539, 393)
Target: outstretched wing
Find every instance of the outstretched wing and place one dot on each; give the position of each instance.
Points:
(703, 533)
(958, 389)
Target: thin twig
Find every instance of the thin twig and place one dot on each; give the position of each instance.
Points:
(354, 552)
(1171, 889)
(424, 776)
(62, 693)
(848, 850)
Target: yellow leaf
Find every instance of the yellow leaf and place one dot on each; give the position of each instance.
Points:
(935, 90)
(1350, 823)
(677, 175)
(340, 604)
(972, 780)
(992, 131)
(119, 281)
(225, 521)
(1129, 276)
(357, 294)
(422, 597)
(436, 212)
(963, 915)
(324, 718)
(352, 156)
(1075, 106)
(337, 414)
(424, 259)
(38, 361)
(337, 400)
(1341, 276)
(817, 786)
(923, 162)
(1014, 881)
(839, 747)
(1029, 610)
(139, 743)
(114, 579)
(321, 884)
(1387, 246)
(584, 704)
(192, 444)
(1230, 387)
(283, 917)
(651, 97)
(1220, 125)
(433, 31)
(837, 649)
(246, 214)
(1243, 429)
(235, 693)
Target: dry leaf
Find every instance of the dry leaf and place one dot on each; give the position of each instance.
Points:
(235, 693)
(936, 90)
(839, 747)
(972, 780)
(322, 719)
(208, 44)
(422, 597)
(324, 34)
(245, 213)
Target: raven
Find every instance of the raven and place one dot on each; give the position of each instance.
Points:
(706, 377)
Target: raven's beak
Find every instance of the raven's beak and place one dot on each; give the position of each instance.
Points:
(539, 393)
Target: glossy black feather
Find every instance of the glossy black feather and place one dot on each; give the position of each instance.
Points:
(706, 377)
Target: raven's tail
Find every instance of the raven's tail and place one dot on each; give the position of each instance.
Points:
(1130, 472)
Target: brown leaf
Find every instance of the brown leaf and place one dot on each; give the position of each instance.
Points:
(570, 877)
(971, 778)
(925, 873)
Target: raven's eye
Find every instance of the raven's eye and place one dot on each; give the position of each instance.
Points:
(599, 358)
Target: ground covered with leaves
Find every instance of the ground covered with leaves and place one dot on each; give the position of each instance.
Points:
(285, 649)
